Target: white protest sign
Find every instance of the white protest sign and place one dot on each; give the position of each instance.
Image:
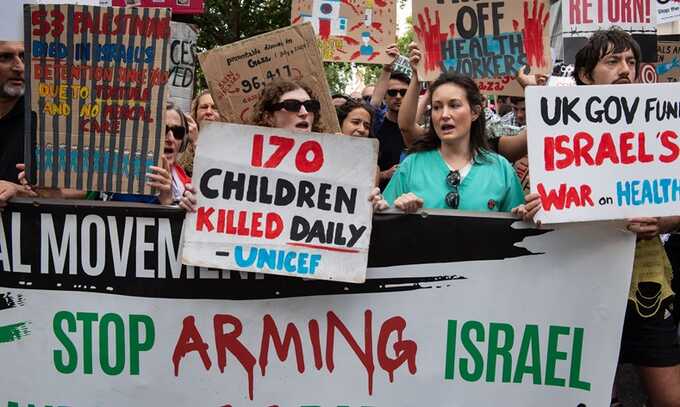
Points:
(279, 202)
(667, 11)
(604, 152)
(182, 79)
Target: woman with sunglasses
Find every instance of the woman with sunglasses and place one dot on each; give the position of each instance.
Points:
(452, 165)
(288, 105)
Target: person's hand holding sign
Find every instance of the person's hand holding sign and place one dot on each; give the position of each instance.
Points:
(161, 178)
(528, 210)
(188, 201)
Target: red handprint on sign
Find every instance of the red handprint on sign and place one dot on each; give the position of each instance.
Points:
(533, 33)
(431, 37)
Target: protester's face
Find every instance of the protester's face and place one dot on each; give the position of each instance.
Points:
(300, 121)
(613, 68)
(172, 142)
(193, 129)
(394, 96)
(520, 111)
(11, 69)
(206, 109)
(367, 93)
(357, 123)
(452, 115)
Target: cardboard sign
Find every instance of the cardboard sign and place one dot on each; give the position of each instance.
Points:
(97, 90)
(482, 40)
(182, 64)
(177, 6)
(668, 66)
(356, 31)
(282, 203)
(582, 18)
(236, 73)
(667, 11)
(146, 331)
(604, 152)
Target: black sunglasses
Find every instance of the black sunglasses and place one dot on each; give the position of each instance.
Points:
(294, 106)
(453, 198)
(393, 92)
(178, 132)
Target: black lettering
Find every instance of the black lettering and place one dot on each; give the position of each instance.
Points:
(349, 201)
(237, 186)
(305, 193)
(205, 190)
(299, 228)
(324, 196)
(284, 193)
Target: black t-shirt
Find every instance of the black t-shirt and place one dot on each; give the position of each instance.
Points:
(12, 142)
(391, 145)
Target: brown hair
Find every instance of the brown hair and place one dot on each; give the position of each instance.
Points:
(272, 93)
(194, 105)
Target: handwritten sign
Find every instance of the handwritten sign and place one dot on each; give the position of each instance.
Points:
(487, 41)
(236, 73)
(350, 31)
(177, 6)
(182, 64)
(604, 152)
(282, 203)
(581, 18)
(97, 88)
(668, 66)
(667, 11)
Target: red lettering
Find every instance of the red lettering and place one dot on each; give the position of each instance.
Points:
(38, 18)
(574, 12)
(84, 124)
(606, 150)
(274, 226)
(643, 157)
(552, 198)
(57, 22)
(405, 350)
(284, 145)
(203, 219)
(582, 151)
(242, 228)
(220, 220)
(626, 147)
(190, 340)
(549, 153)
(316, 343)
(256, 156)
(256, 225)
(365, 355)
(229, 341)
(585, 195)
(302, 163)
(667, 140)
(292, 335)
(231, 229)
(568, 154)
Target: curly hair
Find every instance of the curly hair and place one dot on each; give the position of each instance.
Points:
(351, 105)
(479, 145)
(272, 93)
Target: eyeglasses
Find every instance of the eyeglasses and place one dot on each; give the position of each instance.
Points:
(178, 132)
(393, 92)
(294, 106)
(453, 198)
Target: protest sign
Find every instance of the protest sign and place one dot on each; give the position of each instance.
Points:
(305, 201)
(236, 73)
(668, 66)
(604, 152)
(177, 6)
(582, 18)
(182, 64)
(96, 80)
(484, 40)
(95, 306)
(667, 11)
(356, 31)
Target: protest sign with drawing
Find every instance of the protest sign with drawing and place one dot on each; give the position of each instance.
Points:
(350, 31)
(668, 65)
(604, 152)
(96, 91)
(236, 73)
(182, 64)
(281, 202)
(581, 18)
(487, 41)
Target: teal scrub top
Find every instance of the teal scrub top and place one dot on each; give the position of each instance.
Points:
(491, 184)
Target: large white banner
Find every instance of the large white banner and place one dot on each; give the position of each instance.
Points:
(182, 79)
(604, 152)
(95, 310)
(667, 11)
(278, 202)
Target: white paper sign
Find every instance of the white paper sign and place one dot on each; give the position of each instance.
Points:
(283, 203)
(604, 152)
(667, 11)
(182, 64)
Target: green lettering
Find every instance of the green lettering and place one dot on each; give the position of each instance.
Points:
(59, 363)
(450, 350)
(554, 355)
(135, 345)
(88, 318)
(478, 361)
(575, 370)
(530, 342)
(119, 332)
(502, 351)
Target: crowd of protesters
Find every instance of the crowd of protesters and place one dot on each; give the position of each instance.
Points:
(446, 147)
